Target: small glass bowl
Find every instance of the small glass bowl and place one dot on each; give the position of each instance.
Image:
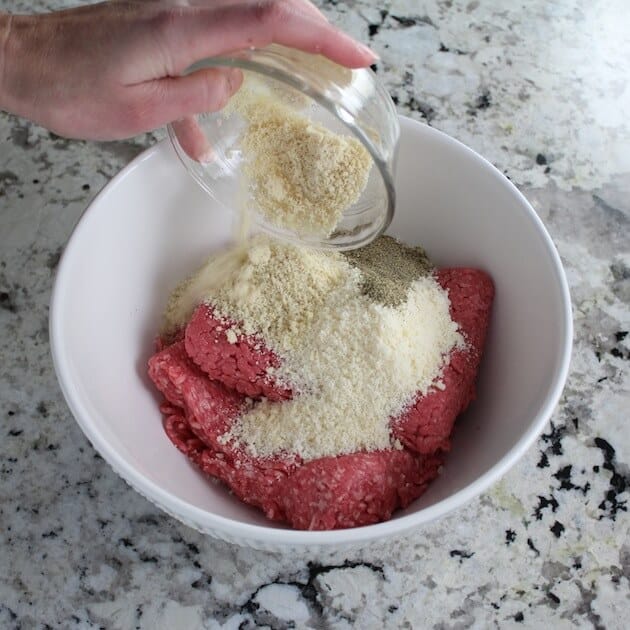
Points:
(348, 102)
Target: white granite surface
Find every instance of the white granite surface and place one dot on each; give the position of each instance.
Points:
(540, 88)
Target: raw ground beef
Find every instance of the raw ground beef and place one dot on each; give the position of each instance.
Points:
(241, 366)
(331, 492)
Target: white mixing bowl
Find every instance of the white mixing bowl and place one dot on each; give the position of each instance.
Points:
(151, 226)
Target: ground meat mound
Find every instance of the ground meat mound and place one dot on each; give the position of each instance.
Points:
(208, 382)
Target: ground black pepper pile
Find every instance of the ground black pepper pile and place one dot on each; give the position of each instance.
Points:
(389, 268)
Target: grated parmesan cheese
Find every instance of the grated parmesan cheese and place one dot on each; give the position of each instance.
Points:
(352, 361)
(303, 176)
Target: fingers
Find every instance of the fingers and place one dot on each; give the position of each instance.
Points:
(192, 139)
(193, 34)
(178, 99)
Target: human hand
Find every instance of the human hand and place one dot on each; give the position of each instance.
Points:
(112, 70)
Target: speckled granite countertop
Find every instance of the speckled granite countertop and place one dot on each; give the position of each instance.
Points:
(543, 91)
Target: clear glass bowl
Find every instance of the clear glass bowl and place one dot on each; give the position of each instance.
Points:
(346, 102)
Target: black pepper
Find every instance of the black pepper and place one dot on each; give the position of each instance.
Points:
(389, 268)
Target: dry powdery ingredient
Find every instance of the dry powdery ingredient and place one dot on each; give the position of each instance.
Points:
(354, 352)
(302, 175)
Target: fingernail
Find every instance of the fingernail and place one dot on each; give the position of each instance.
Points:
(234, 79)
(367, 51)
(206, 157)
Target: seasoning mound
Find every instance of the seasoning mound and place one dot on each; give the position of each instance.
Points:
(352, 359)
(388, 269)
(303, 176)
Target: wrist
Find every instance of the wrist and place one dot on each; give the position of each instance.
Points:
(5, 30)
(15, 68)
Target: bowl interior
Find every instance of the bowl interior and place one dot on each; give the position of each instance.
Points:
(151, 226)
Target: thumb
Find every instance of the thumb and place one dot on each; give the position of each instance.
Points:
(213, 87)
(206, 90)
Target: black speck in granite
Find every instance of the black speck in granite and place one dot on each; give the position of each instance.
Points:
(42, 409)
(621, 335)
(461, 555)
(192, 548)
(483, 100)
(53, 258)
(148, 519)
(519, 617)
(20, 135)
(554, 439)
(407, 21)
(59, 141)
(7, 301)
(543, 462)
(374, 27)
(457, 51)
(541, 159)
(530, 544)
(510, 536)
(427, 112)
(543, 503)
(620, 271)
(556, 529)
(555, 600)
(619, 482)
(563, 475)
(202, 582)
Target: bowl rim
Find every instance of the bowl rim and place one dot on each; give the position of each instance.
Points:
(247, 533)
